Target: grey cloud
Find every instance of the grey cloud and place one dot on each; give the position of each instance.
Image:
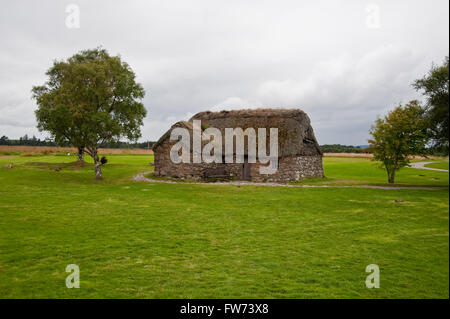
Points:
(192, 56)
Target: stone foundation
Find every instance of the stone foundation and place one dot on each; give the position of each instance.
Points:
(291, 168)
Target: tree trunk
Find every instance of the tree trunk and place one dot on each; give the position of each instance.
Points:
(98, 165)
(387, 171)
(392, 178)
(392, 175)
(80, 154)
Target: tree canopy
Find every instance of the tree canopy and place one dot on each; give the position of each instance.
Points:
(397, 136)
(435, 86)
(90, 99)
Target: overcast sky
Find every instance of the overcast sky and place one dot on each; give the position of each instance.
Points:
(342, 62)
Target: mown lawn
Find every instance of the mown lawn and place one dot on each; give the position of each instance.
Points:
(149, 240)
(363, 171)
(440, 165)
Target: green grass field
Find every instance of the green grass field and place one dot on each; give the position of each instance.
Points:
(153, 240)
(440, 165)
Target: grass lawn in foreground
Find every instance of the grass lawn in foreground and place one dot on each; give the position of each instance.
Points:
(152, 240)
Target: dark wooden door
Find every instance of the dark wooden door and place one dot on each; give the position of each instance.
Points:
(246, 170)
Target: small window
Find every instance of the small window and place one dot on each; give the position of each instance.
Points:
(308, 141)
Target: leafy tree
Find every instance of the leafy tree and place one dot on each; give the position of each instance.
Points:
(90, 99)
(397, 136)
(435, 86)
(4, 140)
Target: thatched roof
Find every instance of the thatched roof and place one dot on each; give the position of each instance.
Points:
(166, 135)
(295, 134)
(269, 112)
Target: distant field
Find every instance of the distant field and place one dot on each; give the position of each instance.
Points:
(362, 155)
(368, 155)
(153, 240)
(54, 150)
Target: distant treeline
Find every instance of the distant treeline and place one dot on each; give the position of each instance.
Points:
(34, 141)
(121, 144)
(26, 140)
(338, 148)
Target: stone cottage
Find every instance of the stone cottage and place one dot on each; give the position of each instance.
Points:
(299, 154)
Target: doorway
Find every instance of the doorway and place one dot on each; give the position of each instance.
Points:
(246, 170)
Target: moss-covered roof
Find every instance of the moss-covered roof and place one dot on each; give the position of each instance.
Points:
(295, 134)
(184, 124)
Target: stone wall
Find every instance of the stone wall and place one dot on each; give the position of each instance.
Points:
(165, 167)
(289, 168)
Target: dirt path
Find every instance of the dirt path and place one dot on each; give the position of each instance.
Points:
(141, 178)
(421, 165)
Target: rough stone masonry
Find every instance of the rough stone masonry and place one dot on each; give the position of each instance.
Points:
(299, 154)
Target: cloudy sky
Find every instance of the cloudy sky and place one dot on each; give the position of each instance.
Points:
(343, 62)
